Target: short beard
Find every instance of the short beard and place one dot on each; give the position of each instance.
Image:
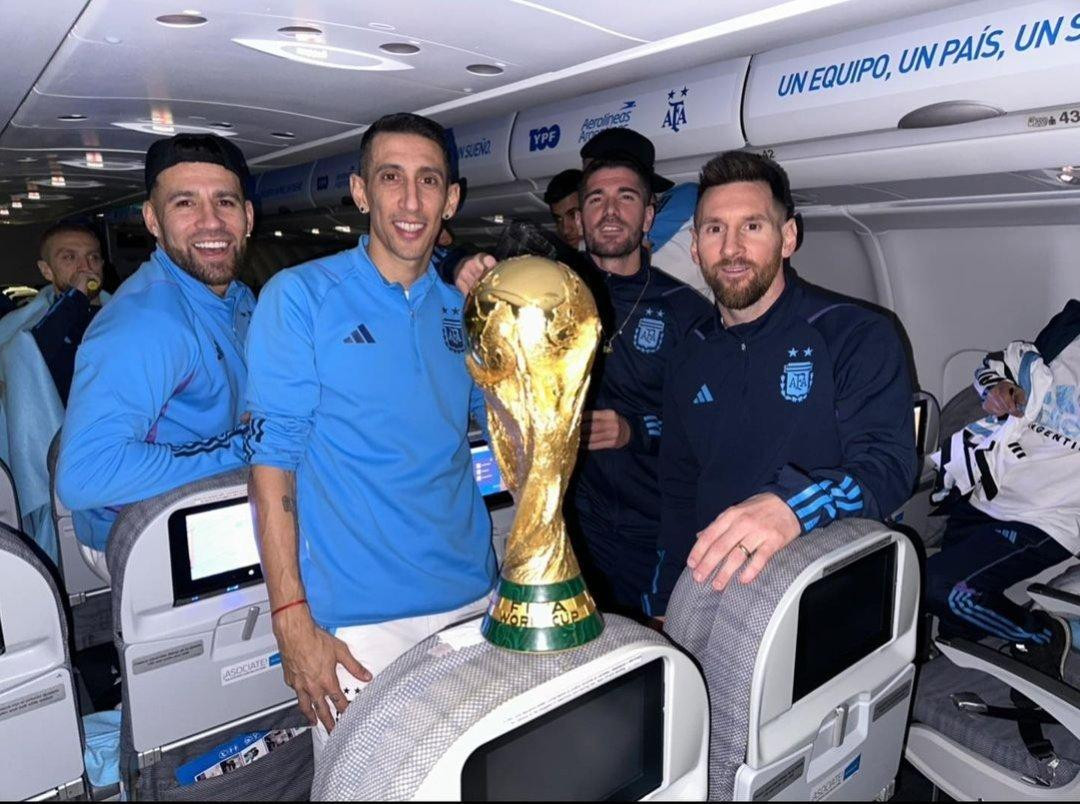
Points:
(211, 275)
(622, 249)
(745, 294)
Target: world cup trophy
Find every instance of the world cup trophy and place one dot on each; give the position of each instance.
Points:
(533, 328)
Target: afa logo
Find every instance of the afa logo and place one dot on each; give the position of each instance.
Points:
(544, 137)
(797, 380)
(452, 332)
(649, 335)
(676, 113)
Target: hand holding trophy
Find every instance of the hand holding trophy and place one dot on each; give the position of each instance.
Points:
(533, 329)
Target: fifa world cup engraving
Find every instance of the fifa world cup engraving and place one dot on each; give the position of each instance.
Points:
(533, 328)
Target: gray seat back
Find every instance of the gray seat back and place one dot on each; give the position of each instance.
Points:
(9, 499)
(80, 582)
(764, 744)
(391, 739)
(40, 738)
(960, 411)
(192, 668)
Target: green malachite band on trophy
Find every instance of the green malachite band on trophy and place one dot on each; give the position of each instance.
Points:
(541, 593)
(542, 639)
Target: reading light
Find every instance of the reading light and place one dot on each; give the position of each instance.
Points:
(484, 69)
(185, 19)
(399, 48)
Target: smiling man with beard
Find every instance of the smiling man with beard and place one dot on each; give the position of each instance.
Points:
(790, 409)
(158, 389)
(372, 531)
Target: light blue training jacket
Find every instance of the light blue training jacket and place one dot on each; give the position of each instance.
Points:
(360, 388)
(157, 394)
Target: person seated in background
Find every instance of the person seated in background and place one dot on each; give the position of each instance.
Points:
(159, 379)
(36, 364)
(71, 259)
(1011, 486)
(561, 196)
(67, 252)
(789, 409)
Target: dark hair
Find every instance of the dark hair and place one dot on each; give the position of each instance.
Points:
(64, 227)
(605, 163)
(406, 123)
(733, 166)
(562, 185)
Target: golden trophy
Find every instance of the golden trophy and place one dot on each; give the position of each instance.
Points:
(532, 329)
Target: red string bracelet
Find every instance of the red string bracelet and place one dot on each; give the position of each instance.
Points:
(280, 609)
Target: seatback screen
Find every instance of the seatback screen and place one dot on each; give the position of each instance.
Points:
(213, 549)
(488, 477)
(606, 745)
(843, 617)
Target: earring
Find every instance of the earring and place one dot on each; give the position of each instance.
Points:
(363, 210)
(446, 216)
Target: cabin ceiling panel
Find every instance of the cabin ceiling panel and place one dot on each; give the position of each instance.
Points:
(25, 55)
(102, 119)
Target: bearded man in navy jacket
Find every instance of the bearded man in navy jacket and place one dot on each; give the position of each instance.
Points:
(791, 408)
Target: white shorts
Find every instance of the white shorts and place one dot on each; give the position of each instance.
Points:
(377, 645)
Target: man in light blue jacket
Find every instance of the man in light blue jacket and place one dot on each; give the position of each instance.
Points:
(158, 390)
(372, 531)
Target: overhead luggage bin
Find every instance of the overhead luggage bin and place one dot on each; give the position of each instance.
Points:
(330, 179)
(483, 150)
(686, 113)
(278, 192)
(984, 86)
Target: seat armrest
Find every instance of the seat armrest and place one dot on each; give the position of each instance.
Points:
(1056, 601)
(1056, 697)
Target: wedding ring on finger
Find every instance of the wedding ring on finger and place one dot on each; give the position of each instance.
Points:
(747, 553)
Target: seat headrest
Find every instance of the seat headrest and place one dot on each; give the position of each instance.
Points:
(723, 631)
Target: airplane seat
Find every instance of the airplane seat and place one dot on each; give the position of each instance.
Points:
(203, 691)
(965, 736)
(915, 513)
(962, 409)
(88, 595)
(40, 729)
(9, 499)
(809, 667)
(622, 717)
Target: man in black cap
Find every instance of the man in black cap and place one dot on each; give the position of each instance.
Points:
(159, 379)
(561, 196)
(670, 235)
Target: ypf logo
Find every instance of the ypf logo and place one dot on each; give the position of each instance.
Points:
(544, 137)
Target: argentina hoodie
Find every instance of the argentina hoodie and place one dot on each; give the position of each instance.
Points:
(157, 393)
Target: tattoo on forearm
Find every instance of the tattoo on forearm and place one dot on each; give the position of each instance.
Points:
(289, 504)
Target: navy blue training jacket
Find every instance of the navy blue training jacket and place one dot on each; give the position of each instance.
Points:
(811, 401)
(646, 317)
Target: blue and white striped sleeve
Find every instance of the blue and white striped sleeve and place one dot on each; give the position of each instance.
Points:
(282, 384)
(877, 436)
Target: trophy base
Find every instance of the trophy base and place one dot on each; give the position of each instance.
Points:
(541, 618)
